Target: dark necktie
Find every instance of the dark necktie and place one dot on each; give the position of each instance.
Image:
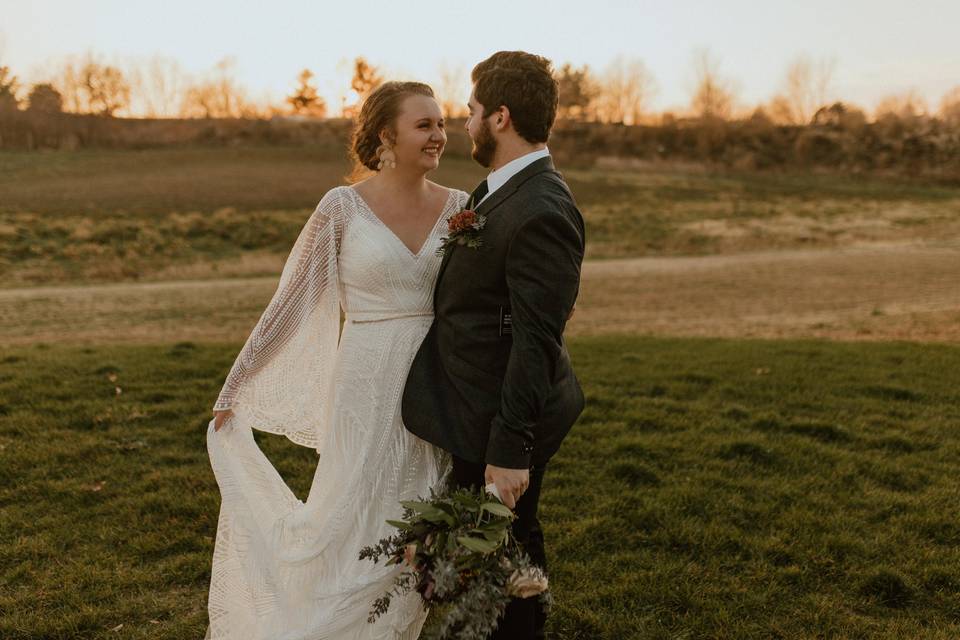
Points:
(478, 194)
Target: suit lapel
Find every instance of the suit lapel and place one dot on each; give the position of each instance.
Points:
(496, 199)
(443, 267)
(510, 186)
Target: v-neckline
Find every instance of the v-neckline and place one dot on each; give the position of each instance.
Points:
(426, 240)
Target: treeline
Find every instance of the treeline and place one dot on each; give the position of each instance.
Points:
(159, 88)
(604, 116)
(620, 93)
(837, 139)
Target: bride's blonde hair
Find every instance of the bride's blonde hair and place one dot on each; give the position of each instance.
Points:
(378, 112)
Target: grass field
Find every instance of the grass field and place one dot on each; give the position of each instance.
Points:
(108, 216)
(712, 489)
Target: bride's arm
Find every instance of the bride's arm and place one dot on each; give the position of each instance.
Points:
(305, 277)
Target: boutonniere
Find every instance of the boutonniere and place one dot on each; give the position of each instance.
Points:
(464, 229)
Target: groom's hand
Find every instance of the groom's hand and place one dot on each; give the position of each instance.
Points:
(511, 483)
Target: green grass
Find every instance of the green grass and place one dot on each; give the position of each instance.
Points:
(107, 216)
(711, 489)
(104, 216)
(656, 212)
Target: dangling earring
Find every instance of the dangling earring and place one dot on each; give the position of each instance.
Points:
(387, 158)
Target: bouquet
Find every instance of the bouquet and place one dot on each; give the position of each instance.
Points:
(461, 557)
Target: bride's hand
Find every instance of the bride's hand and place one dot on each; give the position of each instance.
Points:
(220, 417)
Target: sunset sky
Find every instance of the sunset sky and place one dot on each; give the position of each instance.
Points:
(880, 47)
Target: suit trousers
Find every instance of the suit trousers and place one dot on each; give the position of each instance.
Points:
(524, 618)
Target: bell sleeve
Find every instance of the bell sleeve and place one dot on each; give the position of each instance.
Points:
(282, 380)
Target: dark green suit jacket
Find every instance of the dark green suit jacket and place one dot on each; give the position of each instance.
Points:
(492, 381)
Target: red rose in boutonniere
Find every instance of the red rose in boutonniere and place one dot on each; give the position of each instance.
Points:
(464, 228)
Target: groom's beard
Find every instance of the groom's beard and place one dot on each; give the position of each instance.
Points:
(485, 146)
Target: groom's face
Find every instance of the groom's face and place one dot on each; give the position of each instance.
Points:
(478, 127)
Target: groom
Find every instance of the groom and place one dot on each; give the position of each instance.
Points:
(492, 382)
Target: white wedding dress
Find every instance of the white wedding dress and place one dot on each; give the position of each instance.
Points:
(284, 569)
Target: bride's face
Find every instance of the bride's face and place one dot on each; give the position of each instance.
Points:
(419, 134)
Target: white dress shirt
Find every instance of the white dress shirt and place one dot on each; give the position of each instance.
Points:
(498, 178)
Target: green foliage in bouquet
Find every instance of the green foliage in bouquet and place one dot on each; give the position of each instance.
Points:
(462, 559)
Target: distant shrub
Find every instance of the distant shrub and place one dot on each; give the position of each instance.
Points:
(839, 137)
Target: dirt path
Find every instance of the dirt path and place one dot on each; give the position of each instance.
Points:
(876, 292)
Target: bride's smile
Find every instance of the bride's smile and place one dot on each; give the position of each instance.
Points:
(419, 135)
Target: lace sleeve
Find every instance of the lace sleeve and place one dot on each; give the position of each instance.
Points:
(279, 376)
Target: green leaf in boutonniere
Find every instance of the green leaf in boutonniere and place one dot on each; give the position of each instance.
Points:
(464, 229)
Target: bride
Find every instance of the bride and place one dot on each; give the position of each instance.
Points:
(288, 569)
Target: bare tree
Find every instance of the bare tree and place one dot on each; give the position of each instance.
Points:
(713, 95)
(452, 91)
(158, 87)
(950, 107)
(305, 100)
(578, 93)
(202, 100)
(8, 91)
(218, 96)
(44, 98)
(66, 80)
(88, 85)
(907, 106)
(626, 88)
(106, 87)
(806, 88)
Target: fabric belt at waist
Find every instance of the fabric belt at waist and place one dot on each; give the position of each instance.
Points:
(379, 316)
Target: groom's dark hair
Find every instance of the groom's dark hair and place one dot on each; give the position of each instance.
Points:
(524, 83)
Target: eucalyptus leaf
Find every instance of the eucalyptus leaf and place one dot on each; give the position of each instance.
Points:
(439, 517)
(492, 535)
(419, 507)
(477, 544)
(446, 508)
(499, 509)
(466, 499)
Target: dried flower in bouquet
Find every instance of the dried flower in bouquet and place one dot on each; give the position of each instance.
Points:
(460, 555)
